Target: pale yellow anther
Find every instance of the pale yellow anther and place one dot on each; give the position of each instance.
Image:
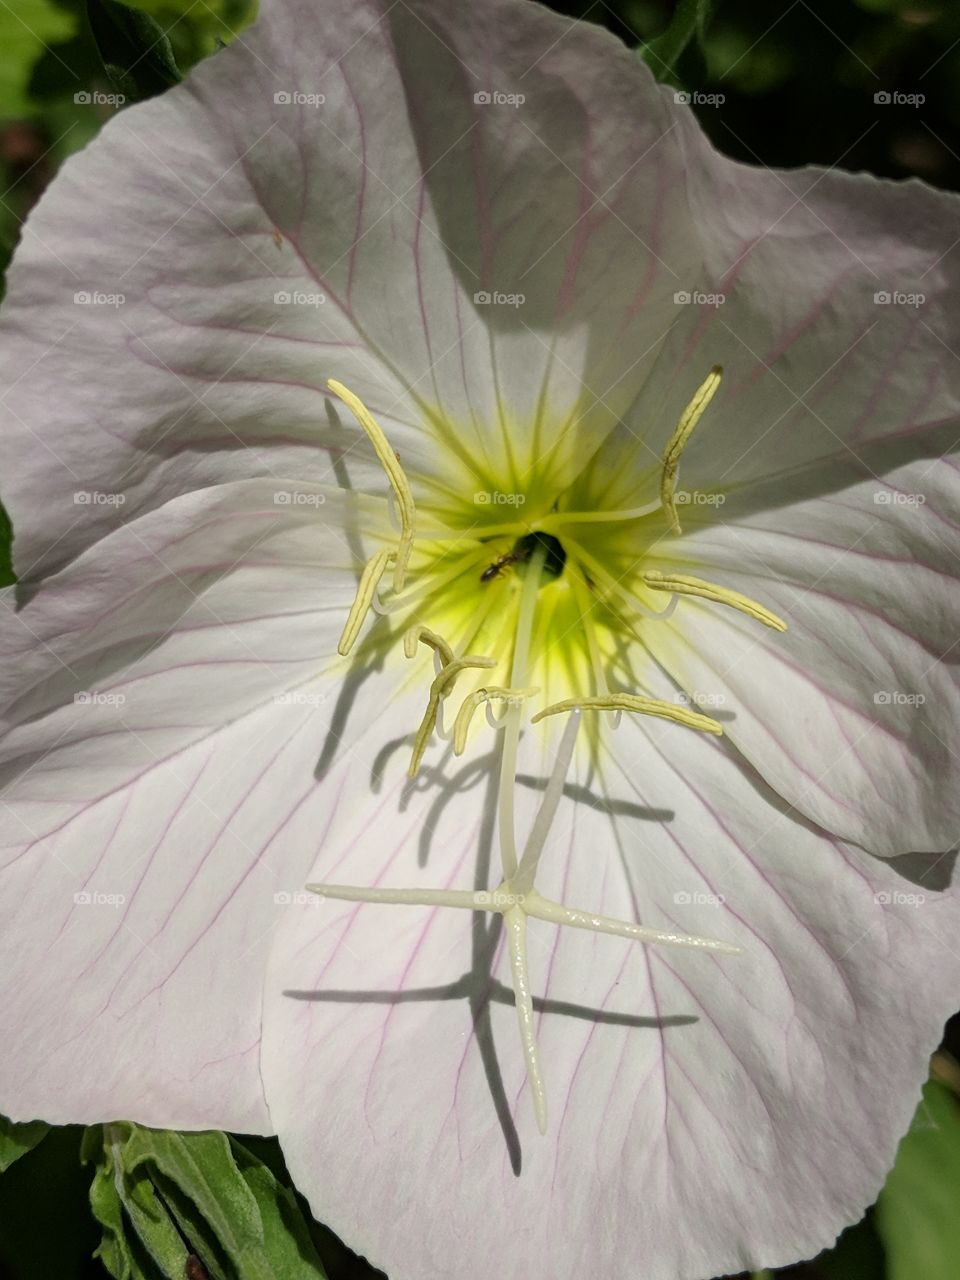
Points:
(442, 683)
(369, 581)
(682, 584)
(395, 474)
(492, 693)
(678, 442)
(634, 702)
(419, 633)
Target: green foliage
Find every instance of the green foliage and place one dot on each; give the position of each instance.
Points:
(27, 28)
(7, 576)
(161, 1197)
(917, 1214)
(137, 56)
(17, 1139)
(690, 20)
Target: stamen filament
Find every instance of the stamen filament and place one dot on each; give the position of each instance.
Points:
(490, 693)
(395, 474)
(678, 442)
(432, 583)
(366, 589)
(558, 519)
(612, 584)
(634, 702)
(585, 607)
(682, 584)
(441, 685)
(420, 634)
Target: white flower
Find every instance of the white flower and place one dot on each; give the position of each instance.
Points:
(480, 431)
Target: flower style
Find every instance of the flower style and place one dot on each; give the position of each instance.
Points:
(425, 406)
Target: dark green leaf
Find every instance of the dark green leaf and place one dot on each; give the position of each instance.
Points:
(17, 1139)
(172, 1194)
(140, 1239)
(7, 576)
(690, 19)
(136, 53)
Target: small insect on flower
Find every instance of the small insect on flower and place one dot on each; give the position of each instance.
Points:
(498, 566)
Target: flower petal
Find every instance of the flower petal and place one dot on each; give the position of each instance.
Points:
(853, 714)
(828, 300)
(756, 1100)
(162, 730)
(400, 199)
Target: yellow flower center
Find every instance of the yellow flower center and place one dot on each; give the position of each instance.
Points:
(536, 609)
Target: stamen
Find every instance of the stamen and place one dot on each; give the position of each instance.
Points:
(395, 474)
(491, 693)
(557, 519)
(420, 633)
(682, 584)
(366, 590)
(614, 585)
(442, 683)
(431, 583)
(678, 442)
(634, 702)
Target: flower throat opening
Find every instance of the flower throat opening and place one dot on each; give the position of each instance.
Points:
(553, 558)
